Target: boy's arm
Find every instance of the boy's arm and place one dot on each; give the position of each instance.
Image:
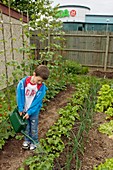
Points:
(20, 95)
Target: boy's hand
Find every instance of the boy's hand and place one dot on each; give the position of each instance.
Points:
(26, 116)
(20, 113)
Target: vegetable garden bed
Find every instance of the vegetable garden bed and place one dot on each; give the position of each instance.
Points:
(91, 152)
(12, 155)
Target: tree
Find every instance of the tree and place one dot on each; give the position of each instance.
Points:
(43, 20)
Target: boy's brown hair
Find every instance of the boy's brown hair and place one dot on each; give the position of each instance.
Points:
(42, 71)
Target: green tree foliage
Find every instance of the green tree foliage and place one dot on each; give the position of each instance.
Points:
(32, 6)
(43, 22)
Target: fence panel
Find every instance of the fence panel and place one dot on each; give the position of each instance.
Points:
(93, 49)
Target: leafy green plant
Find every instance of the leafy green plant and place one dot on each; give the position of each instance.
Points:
(105, 98)
(44, 20)
(104, 104)
(109, 113)
(106, 128)
(75, 68)
(5, 131)
(107, 165)
(86, 120)
(6, 106)
(53, 143)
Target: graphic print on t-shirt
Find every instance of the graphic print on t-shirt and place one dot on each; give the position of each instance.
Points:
(30, 92)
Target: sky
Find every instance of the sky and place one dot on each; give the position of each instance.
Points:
(96, 6)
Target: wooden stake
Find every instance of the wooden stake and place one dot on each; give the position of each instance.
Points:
(106, 53)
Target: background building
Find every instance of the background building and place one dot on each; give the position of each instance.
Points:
(77, 17)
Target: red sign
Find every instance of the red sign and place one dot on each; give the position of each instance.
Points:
(72, 13)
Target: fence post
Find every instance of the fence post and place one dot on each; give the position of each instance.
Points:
(106, 53)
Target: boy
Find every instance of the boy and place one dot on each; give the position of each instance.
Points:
(30, 93)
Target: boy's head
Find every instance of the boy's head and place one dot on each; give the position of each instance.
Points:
(41, 73)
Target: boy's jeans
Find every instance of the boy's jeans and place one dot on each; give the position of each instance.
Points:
(32, 129)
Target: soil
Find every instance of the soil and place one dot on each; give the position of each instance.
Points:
(12, 155)
(97, 148)
(102, 74)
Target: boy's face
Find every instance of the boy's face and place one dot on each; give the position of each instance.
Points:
(38, 80)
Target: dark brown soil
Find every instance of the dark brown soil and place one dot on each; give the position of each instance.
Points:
(97, 148)
(12, 155)
(102, 74)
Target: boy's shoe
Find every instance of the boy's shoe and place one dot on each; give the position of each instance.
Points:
(25, 145)
(32, 146)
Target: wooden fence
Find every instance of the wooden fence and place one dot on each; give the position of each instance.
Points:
(92, 49)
